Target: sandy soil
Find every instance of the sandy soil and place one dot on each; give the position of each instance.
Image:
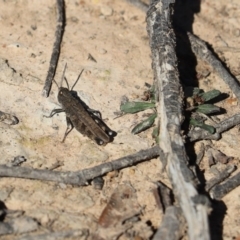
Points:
(114, 33)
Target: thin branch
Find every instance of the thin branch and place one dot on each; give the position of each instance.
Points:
(199, 134)
(162, 196)
(200, 48)
(221, 177)
(200, 155)
(79, 178)
(56, 47)
(58, 235)
(219, 191)
(164, 63)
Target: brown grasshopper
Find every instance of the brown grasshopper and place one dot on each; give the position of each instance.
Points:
(78, 115)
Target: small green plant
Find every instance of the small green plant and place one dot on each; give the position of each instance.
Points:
(134, 107)
(198, 102)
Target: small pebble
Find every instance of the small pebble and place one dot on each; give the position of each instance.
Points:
(106, 10)
(103, 51)
(74, 19)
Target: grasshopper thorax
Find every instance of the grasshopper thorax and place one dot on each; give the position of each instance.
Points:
(64, 95)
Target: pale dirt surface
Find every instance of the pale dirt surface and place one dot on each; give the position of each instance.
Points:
(114, 33)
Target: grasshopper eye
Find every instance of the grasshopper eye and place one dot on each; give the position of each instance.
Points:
(61, 92)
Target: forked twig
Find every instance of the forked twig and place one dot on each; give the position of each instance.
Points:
(56, 47)
(79, 178)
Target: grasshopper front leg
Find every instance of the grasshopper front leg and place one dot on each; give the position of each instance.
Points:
(54, 111)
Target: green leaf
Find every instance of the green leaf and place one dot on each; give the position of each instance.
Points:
(155, 134)
(197, 91)
(207, 96)
(134, 107)
(153, 91)
(202, 125)
(147, 123)
(208, 108)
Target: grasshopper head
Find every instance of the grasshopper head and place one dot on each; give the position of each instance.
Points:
(64, 95)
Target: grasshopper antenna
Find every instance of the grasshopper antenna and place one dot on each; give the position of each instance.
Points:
(77, 79)
(55, 83)
(63, 75)
(66, 82)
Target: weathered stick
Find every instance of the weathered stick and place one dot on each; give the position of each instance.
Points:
(71, 234)
(79, 178)
(220, 127)
(221, 177)
(163, 196)
(219, 191)
(56, 47)
(200, 48)
(172, 225)
(164, 62)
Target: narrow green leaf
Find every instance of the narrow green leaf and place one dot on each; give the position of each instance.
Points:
(155, 134)
(208, 108)
(147, 123)
(197, 91)
(207, 96)
(134, 107)
(202, 125)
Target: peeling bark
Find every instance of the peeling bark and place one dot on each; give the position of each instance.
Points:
(170, 97)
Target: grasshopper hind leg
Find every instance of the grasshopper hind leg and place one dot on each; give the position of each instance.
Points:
(95, 112)
(69, 128)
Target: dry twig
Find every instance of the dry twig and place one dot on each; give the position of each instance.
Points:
(56, 47)
(221, 177)
(199, 134)
(200, 48)
(219, 191)
(164, 62)
(79, 178)
(58, 235)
